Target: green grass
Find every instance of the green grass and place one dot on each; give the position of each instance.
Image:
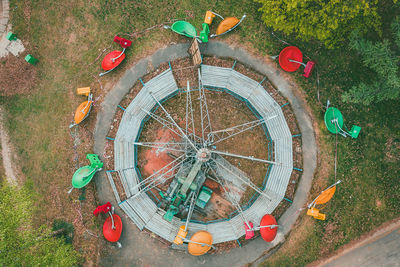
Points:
(39, 122)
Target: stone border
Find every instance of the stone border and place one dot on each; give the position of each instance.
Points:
(255, 249)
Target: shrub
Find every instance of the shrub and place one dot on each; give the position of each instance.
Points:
(330, 22)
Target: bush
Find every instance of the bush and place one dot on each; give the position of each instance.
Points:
(330, 22)
(68, 230)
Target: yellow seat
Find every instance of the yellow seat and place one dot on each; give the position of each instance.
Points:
(181, 235)
(320, 216)
(83, 91)
(316, 214)
(209, 17)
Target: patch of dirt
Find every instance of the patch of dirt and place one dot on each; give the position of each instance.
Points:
(16, 76)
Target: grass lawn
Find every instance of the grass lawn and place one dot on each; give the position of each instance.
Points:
(67, 37)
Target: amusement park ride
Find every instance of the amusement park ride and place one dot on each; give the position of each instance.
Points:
(198, 157)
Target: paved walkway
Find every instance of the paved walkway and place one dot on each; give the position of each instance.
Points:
(380, 249)
(139, 248)
(4, 15)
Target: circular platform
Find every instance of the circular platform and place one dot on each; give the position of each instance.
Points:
(140, 207)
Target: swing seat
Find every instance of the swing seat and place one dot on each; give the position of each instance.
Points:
(108, 63)
(82, 111)
(180, 236)
(249, 233)
(184, 28)
(355, 131)
(227, 24)
(293, 53)
(110, 234)
(268, 233)
(316, 214)
(124, 43)
(209, 17)
(308, 69)
(83, 91)
(84, 174)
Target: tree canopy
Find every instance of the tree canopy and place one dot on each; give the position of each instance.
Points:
(381, 58)
(330, 22)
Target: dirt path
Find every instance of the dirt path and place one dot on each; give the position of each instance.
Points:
(6, 153)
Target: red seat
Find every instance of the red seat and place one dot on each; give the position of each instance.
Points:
(124, 43)
(308, 69)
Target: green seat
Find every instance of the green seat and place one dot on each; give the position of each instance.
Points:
(333, 120)
(94, 161)
(355, 131)
(204, 197)
(84, 174)
(184, 28)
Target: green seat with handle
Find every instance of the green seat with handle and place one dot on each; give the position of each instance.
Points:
(84, 174)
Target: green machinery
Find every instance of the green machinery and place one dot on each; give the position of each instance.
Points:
(184, 186)
(84, 174)
(334, 123)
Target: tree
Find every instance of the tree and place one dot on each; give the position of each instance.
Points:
(330, 22)
(381, 59)
(20, 243)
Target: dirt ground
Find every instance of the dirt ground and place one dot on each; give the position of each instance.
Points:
(225, 111)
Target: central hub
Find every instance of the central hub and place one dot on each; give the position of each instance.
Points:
(203, 154)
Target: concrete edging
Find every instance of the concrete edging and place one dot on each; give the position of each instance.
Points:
(255, 249)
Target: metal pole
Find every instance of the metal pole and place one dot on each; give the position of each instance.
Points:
(173, 121)
(244, 157)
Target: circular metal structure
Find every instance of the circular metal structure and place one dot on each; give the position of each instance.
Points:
(140, 207)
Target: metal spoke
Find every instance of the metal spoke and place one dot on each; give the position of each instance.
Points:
(232, 200)
(176, 125)
(244, 157)
(246, 181)
(149, 181)
(204, 115)
(161, 146)
(191, 208)
(221, 135)
(189, 112)
(162, 121)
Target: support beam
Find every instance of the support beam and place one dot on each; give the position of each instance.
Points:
(176, 125)
(206, 127)
(221, 135)
(244, 157)
(246, 181)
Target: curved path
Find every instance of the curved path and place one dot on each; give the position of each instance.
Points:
(139, 248)
(4, 15)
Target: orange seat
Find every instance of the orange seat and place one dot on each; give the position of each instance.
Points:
(82, 111)
(226, 25)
